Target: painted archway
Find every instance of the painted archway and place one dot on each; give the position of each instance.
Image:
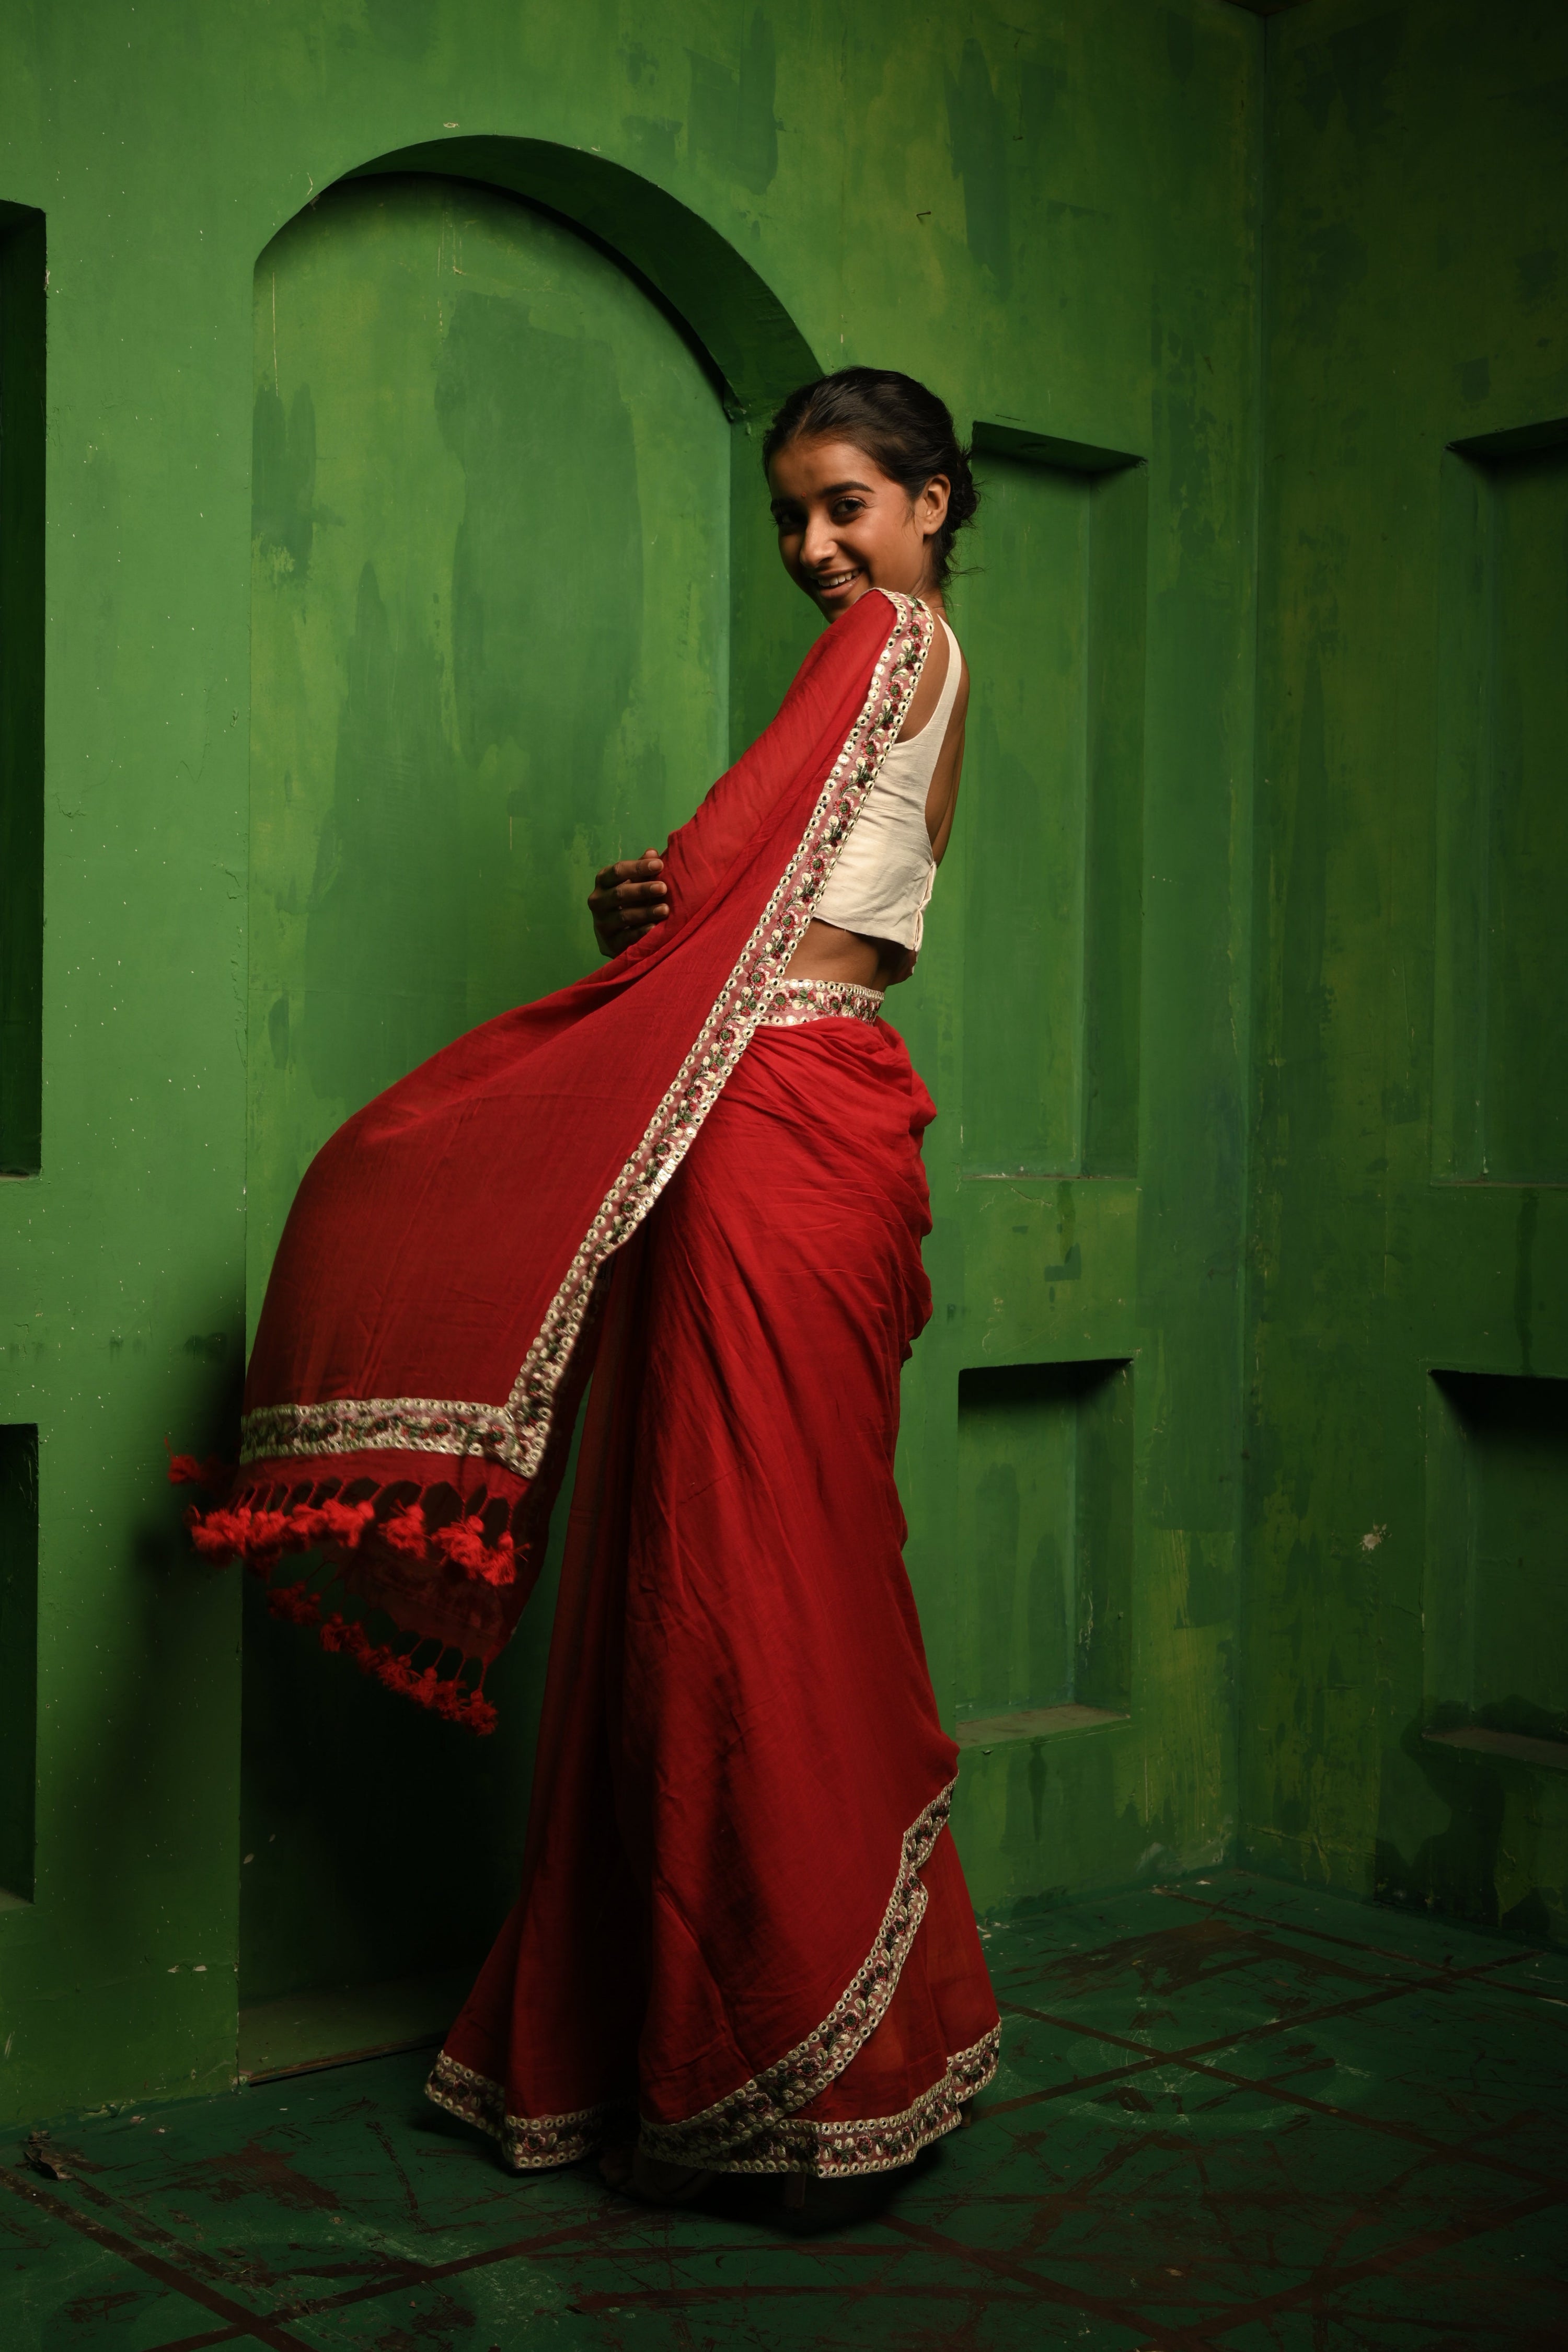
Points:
(755, 345)
(504, 577)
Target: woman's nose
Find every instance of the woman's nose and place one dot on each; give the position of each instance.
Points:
(816, 547)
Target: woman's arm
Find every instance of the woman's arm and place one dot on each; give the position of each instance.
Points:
(634, 899)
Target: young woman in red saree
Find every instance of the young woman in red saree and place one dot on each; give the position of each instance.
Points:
(743, 1941)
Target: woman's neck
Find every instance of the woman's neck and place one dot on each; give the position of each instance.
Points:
(928, 592)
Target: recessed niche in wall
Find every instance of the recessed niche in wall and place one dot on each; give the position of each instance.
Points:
(1495, 1630)
(1500, 1032)
(1053, 612)
(18, 1656)
(22, 292)
(1045, 1571)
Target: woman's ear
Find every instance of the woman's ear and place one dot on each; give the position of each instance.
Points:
(933, 504)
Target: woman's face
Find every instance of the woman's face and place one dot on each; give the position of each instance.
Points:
(844, 526)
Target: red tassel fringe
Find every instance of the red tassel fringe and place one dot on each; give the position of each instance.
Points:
(216, 1475)
(260, 1536)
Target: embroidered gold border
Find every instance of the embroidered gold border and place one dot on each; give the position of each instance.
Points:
(529, 2142)
(828, 2151)
(722, 2134)
(724, 1036)
(759, 2128)
(515, 1436)
(796, 1002)
(837, 2151)
(380, 1424)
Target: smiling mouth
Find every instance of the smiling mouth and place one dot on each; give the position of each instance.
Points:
(827, 583)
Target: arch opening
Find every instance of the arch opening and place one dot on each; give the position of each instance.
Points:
(498, 583)
(755, 348)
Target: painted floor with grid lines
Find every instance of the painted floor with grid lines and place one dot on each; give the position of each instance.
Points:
(1230, 2113)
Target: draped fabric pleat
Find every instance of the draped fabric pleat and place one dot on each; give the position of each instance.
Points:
(742, 1916)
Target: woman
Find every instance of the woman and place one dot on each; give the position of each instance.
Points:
(743, 1942)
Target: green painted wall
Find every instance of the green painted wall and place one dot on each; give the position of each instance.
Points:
(1409, 1309)
(1053, 213)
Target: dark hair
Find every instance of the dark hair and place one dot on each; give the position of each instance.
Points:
(906, 429)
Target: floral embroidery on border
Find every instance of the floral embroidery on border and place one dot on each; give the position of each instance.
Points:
(758, 2129)
(795, 1001)
(833, 2151)
(828, 2151)
(380, 1424)
(721, 2135)
(528, 2143)
(515, 1436)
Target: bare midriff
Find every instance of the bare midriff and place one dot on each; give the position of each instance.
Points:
(828, 953)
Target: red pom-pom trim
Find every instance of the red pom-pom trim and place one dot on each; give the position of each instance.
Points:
(260, 1538)
(340, 1633)
(295, 1604)
(405, 1531)
(463, 1542)
(214, 1475)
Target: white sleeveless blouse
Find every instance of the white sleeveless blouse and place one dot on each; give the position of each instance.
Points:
(882, 883)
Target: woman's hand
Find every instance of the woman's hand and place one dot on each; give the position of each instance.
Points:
(627, 899)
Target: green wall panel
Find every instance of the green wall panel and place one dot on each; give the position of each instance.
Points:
(18, 1658)
(23, 284)
(1057, 603)
(1500, 1041)
(1496, 1634)
(1408, 1213)
(1044, 1479)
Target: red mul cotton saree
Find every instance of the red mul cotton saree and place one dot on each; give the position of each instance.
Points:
(739, 1915)
(702, 1184)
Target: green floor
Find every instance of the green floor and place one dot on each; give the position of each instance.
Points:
(1229, 2114)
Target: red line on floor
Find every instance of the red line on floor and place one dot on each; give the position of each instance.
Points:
(1348, 1943)
(1331, 2281)
(169, 2274)
(1192, 2058)
(1047, 2290)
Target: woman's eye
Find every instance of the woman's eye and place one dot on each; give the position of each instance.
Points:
(845, 507)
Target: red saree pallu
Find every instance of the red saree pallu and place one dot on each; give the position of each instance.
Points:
(739, 1917)
(431, 1315)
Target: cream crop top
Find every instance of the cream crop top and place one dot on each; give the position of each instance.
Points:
(882, 883)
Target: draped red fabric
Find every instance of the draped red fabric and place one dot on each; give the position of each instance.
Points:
(741, 1915)
(432, 1312)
